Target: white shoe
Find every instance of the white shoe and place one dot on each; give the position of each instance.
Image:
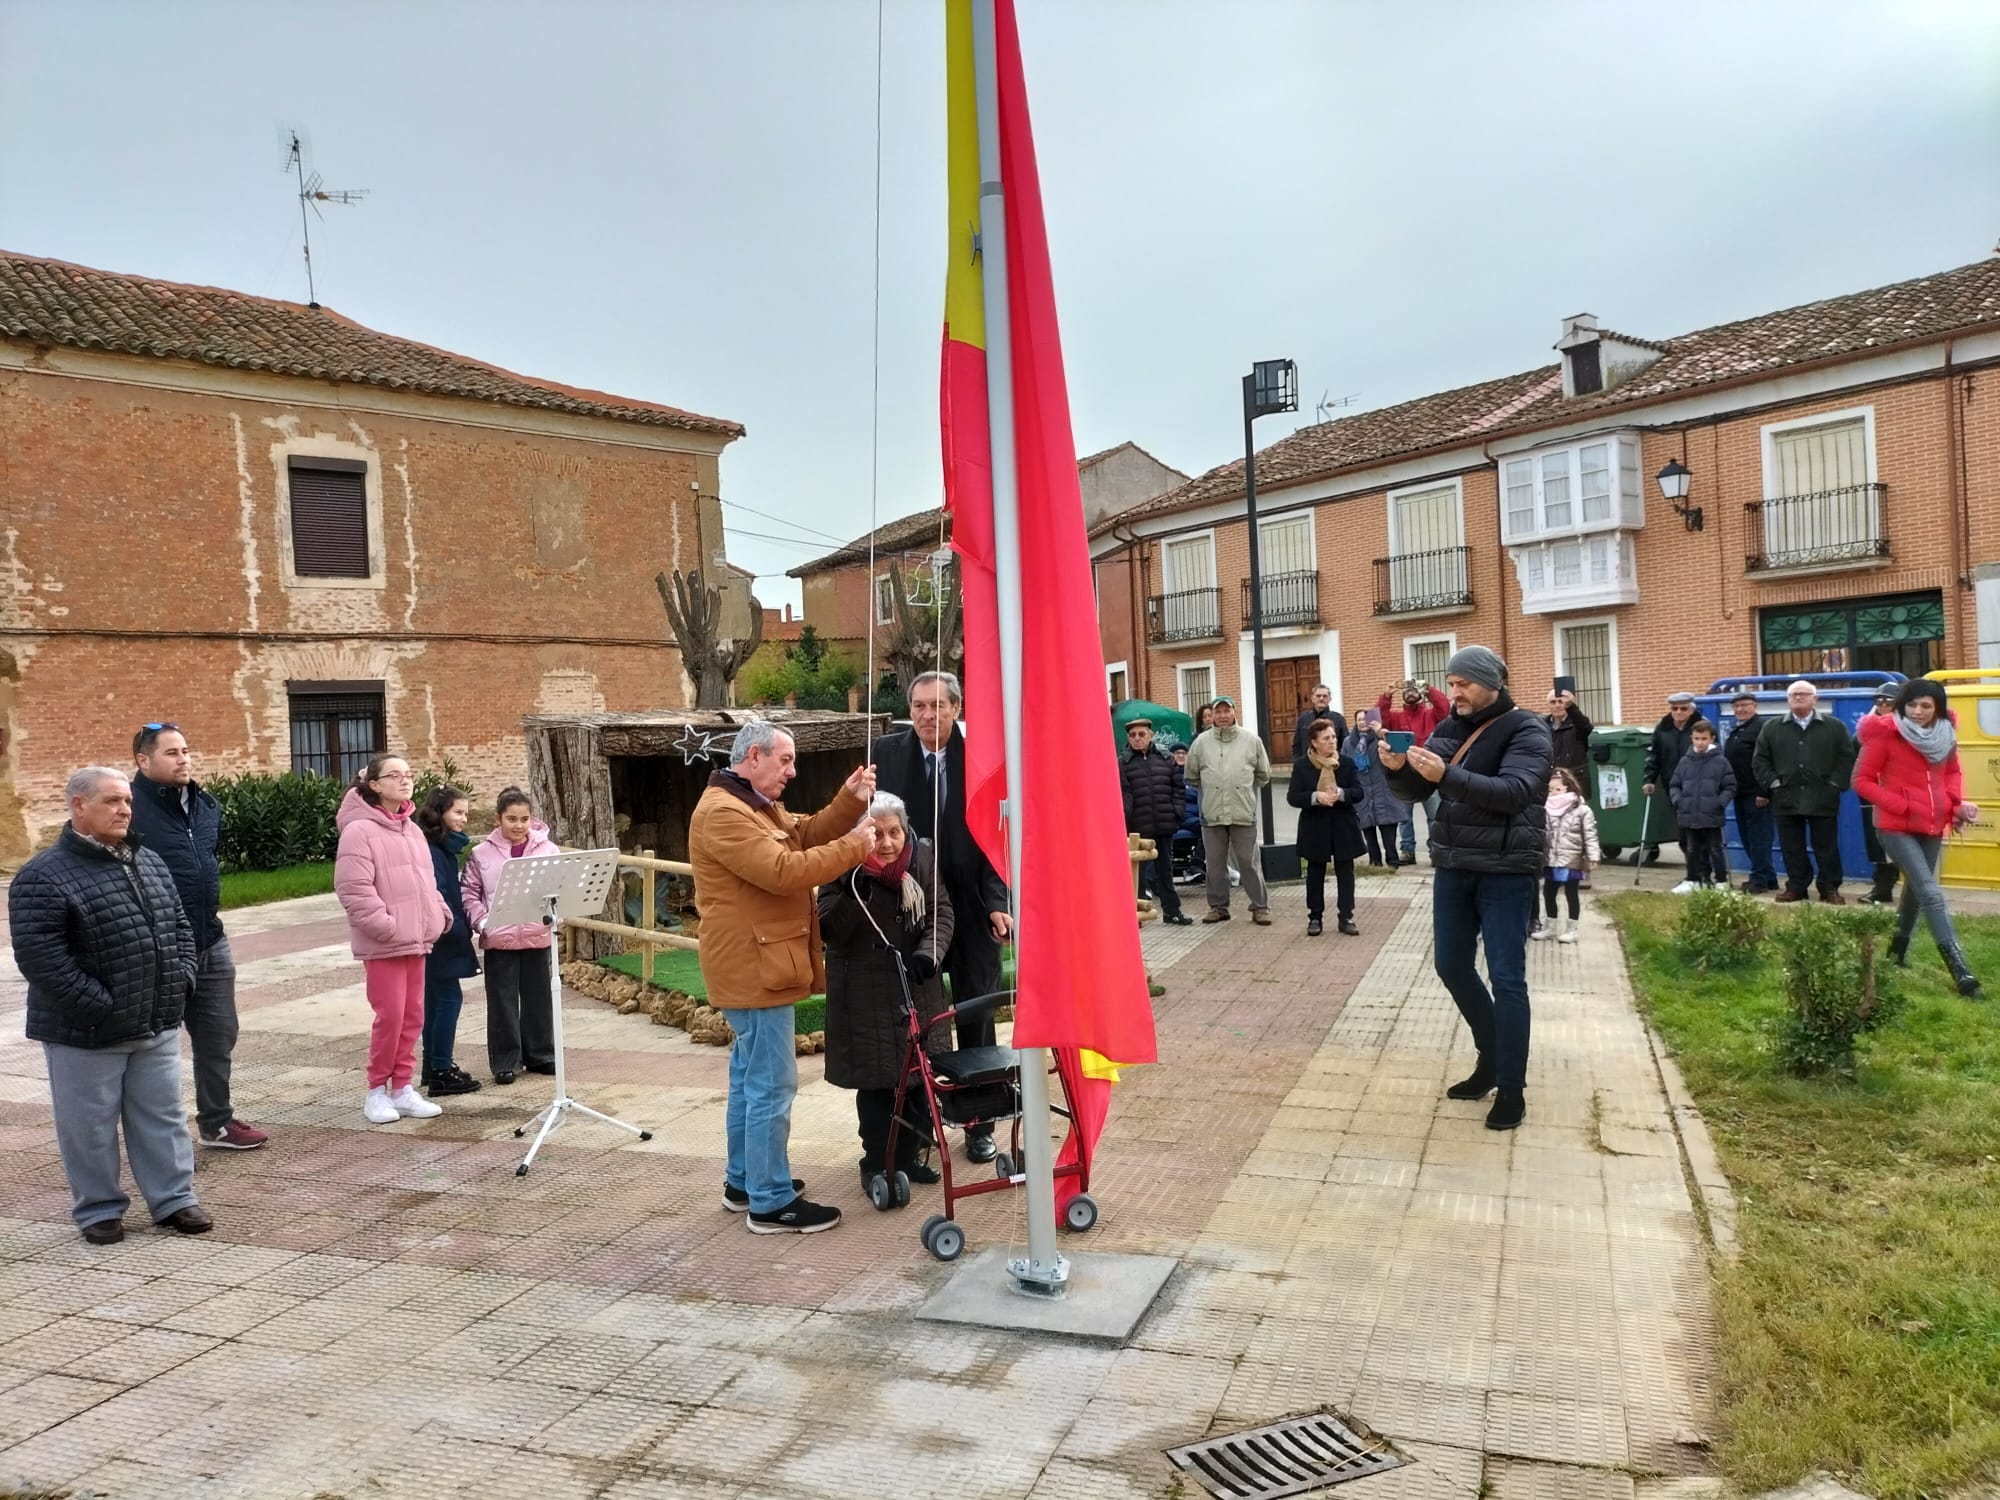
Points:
(1684, 887)
(1542, 931)
(1568, 933)
(409, 1102)
(379, 1109)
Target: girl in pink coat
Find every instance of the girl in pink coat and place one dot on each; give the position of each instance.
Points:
(383, 877)
(520, 1024)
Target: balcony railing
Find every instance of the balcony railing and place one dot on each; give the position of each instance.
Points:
(1416, 582)
(1827, 529)
(1289, 599)
(1190, 615)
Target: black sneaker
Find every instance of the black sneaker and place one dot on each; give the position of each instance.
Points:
(738, 1202)
(450, 1081)
(797, 1217)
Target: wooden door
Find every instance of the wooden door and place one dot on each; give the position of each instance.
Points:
(1288, 686)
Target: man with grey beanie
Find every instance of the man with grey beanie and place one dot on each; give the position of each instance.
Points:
(1488, 765)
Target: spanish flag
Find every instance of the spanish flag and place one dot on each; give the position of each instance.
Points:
(1080, 985)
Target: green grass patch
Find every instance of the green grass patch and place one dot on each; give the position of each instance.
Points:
(1861, 1326)
(680, 969)
(255, 887)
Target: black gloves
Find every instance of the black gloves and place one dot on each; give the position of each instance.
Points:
(921, 967)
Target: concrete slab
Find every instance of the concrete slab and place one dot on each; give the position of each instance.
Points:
(1108, 1295)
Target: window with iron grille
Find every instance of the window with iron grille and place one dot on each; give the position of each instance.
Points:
(1589, 653)
(329, 503)
(337, 727)
(1197, 687)
(1427, 658)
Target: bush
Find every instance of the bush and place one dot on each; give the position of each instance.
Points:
(1836, 989)
(1720, 929)
(812, 672)
(446, 775)
(270, 822)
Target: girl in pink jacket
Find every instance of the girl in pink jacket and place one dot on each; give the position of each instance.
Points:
(520, 1023)
(383, 877)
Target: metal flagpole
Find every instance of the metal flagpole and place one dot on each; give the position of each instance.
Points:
(1044, 1271)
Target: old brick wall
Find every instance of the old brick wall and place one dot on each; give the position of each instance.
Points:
(144, 574)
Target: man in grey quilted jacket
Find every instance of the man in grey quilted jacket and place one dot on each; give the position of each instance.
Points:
(99, 934)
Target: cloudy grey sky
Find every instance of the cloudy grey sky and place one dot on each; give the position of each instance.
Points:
(676, 200)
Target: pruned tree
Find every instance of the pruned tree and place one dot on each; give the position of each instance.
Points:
(924, 637)
(694, 613)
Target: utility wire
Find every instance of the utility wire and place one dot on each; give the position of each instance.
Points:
(784, 521)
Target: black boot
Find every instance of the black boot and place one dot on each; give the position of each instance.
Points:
(1510, 1107)
(1899, 945)
(1961, 972)
(1477, 1086)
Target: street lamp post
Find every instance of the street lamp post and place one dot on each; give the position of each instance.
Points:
(1272, 386)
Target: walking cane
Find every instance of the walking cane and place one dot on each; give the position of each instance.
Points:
(1639, 854)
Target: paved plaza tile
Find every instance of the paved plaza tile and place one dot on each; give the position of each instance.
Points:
(390, 1311)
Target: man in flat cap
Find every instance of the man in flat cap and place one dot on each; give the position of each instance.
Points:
(1155, 802)
(1673, 736)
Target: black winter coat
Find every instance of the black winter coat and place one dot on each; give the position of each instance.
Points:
(865, 1030)
(1155, 795)
(1490, 819)
(1328, 833)
(1303, 728)
(452, 956)
(1667, 747)
(187, 842)
(1569, 742)
(1741, 750)
(1804, 771)
(105, 947)
(1702, 789)
(899, 768)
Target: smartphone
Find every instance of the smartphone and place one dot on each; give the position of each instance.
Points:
(1566, 685)
(1400, 740)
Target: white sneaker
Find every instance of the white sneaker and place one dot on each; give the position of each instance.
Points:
(1684, 887)
(1568, 933)
(379, 1109)
(409, 1102)
(1542, 930)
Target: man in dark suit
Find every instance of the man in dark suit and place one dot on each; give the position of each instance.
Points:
(911, 764)
(1322, 708)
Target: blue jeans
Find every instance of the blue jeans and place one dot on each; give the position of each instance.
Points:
(763, 1077)
(1409, 825)
(1753, 826)
(443, 999)
(1466, 908)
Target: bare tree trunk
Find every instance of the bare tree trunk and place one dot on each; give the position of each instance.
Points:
(694, 613)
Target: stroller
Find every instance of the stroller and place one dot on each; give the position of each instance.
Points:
(969, 1086)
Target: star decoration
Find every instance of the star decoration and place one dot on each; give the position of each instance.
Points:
(694, 745)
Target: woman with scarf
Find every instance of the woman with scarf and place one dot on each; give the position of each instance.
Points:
(1325, 788)
(1378, 810)
(892, 905)
(1909, 772)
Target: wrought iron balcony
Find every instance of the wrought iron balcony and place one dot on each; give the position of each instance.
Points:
(1829, 529)
(1289, 599)
(1190, 615)
(1420, 582)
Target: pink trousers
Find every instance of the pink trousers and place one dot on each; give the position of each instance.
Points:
(396, 992)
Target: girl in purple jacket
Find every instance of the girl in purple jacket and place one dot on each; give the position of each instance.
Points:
(520, 1024)
(383, 877)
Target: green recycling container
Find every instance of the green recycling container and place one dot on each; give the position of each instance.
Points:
(1617, 774)
(1171, 727)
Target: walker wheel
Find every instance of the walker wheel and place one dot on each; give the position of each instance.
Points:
(645, 1135)
(899, 1189)
(929, 1226)
(522, 1170)
(879, 1192)
(1080, 1213)
(1003, 1166)
(946, 1241)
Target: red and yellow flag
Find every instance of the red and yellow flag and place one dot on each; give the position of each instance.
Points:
(1081, 985)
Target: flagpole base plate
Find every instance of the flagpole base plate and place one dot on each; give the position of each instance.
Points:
(1106, 1297)
(1040, 1278)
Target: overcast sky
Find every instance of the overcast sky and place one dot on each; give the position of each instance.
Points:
(676, 201)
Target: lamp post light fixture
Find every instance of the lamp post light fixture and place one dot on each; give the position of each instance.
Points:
(1272, 386)
(1674, 480)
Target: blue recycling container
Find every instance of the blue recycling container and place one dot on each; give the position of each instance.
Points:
(1849, 696)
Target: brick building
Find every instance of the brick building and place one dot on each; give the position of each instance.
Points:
(304, 540)
(1844, 460)
(843, 602)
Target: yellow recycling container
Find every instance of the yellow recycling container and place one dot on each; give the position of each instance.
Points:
(1972, 857)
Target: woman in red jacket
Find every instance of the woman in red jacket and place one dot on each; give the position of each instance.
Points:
(1909, 772)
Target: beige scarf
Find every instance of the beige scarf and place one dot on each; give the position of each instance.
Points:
(1325, 765)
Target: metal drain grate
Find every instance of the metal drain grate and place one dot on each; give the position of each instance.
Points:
(1286, 1458)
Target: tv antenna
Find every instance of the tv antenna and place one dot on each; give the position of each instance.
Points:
(312, 193)
(1327, 403)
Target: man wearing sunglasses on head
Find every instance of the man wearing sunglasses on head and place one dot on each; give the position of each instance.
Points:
(182, 824)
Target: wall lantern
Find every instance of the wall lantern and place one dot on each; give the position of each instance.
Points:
(1674, 480)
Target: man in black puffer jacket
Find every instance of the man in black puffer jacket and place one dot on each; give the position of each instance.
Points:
(182, 824)
(1155, 802)
(1488, 763)
(109, 957)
